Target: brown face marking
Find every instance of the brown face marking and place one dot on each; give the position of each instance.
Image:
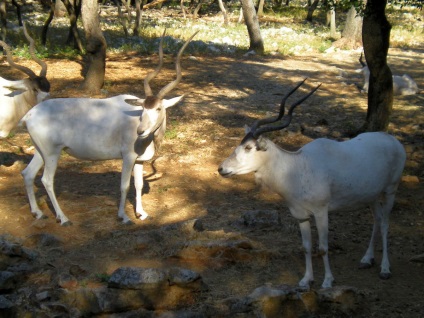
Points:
(151, 102)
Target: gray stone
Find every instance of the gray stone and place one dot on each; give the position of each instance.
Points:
(136, 277)
(8, 280)
(261, 218)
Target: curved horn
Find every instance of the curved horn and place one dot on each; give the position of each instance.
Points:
(43, 65)
(287, 119)
(271, 120)
(362, 62)
(174, 83)
(151, 75)
(22, 68)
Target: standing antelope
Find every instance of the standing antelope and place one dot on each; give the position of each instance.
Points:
(18, 97)
(99, 129)
(323, 176)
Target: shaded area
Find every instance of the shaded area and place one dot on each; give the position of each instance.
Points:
(223, 94)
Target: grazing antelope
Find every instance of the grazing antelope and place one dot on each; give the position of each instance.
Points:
(402, 85)
(18, 97)
(324, 176)
(122, 127)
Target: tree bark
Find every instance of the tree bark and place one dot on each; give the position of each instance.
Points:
(46, 24)
(261, 8)
(311, 9)
(352, 31)
(137, 22)
(95, 59)
(332, 22)
(376, 38)
(74, 10)
(252, 24)
(3, 21)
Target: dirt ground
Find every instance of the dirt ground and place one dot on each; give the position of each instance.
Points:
(222, 95)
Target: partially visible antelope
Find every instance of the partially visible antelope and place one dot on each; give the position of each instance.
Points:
(122, 127)
(324, 176)
(402, 85)
(18, 97)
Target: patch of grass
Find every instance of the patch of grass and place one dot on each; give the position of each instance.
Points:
(172, 131)
(103, 277)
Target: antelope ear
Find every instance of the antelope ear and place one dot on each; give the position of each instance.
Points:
(17, 86)
(246, 129)
(171, 102)
(135, 102)
(261, 144)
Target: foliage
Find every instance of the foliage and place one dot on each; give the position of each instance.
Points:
(283, 30)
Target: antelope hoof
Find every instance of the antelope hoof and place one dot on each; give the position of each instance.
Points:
(67, 223)
(141, 216)
(128, 222)
(366, 265)
(39, 216)
(385, 276)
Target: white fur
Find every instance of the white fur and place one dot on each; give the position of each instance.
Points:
(325, 176)
(402, 85)
(16, 98)
(92, 129)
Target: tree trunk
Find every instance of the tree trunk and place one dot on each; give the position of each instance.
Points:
(376, 38)
(18, 12)
(252, 24)
(311, 10)
(352, 32)
(3, 20)
(95, 59)
(74, 10)
(332, 14)
(46, 24)
(261, 8)
(137, 23)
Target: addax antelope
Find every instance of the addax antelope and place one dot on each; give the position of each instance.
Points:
(122, 127)
(324, 176)
(18, 97)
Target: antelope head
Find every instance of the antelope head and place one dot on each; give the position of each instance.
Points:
(38, 84)
(249, 155)
(153, 118)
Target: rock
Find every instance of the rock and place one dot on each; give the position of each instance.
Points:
(261, 218)
(190, 226)
(343, 299)
(291, 301)
(219, 253)
(8, 281)
(132, 288)
(7, 307)
(417, 258)
(42, 240)
(67, 281)
(137, 278)
(410, 179)
(284, 301)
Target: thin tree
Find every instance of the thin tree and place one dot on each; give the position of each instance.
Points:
(376, 39)
(95, 58)
(252, 24)
(3, 20)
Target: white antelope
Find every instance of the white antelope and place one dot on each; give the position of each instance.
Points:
(18, 97)
(324, 176)
(402, 85)
(99, 129)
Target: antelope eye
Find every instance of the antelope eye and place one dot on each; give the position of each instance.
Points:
(248, 148)
(159, 109)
